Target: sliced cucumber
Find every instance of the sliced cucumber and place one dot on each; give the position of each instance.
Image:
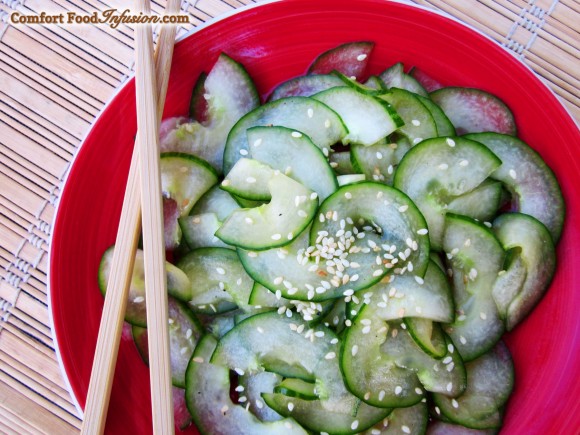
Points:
(476, 257)
(340, 162)
(184, 179)
(445, 428)
(489, 383)
(537, 253)
(229, 93)
(377, 162)
(217, 201)
(253, 387)
(270, 342)
(207, 394)
(412, 420)
(199, 231)
(533, 185)
(343, 180)
(481, 203)
(418, 121)
(184, 334)
(311, 117)
(395, 77)
(178, 285)
(274, 224)
(249, 180)
(473, 110)
(367, 119)
(437, 171)
(218, 281)
(350, 59)
(294, 387)
(444, 125)
(306, 86)
(282, 148)
(428, 336)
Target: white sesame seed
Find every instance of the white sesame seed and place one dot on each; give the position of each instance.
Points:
(296, 134)
(419, 280)
(327, 123)
(416, 122)
(239, 371)
(310, 112)
(249, 220)
(454, 403)
(252, 254)
(220, 270)
(313, 196)
(377, 273)
(330, 355)
(224, 409)
(139, 299)
(354, 350)
(198, 359)
(379, 155)
(361, 57)
(403, 208)
(244, 152)
(258, 142)
(449, 386)
(443, 166)
(250, 180)
(354, 425)
(483, 316)
(290, 406)
(418, 390)
(405, 429)
(242, 399)
(276, 236)
(464, 163)
(450, 142)
(381, 394)
(398, 390)
(513, 173)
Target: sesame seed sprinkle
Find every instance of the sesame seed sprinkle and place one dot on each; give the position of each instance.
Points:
(276, 236)
(405, 429)
(139, 299)
(310, 112)
(330, 355)
(450, 142)
(398, 390)
(244, 152)
(361, 57)
(454, 403)
(258, 142)
(464, 163)
(296, 134)
(250, 180)
(416, 122)
(513, 174)
(220, 270)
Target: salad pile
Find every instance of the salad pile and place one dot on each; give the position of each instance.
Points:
(346, 256)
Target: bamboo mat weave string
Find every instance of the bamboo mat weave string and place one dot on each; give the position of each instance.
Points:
(54, 81)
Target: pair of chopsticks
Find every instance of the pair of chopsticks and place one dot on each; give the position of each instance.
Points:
(142, 209)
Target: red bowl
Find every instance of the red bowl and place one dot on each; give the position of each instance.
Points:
(276, 41)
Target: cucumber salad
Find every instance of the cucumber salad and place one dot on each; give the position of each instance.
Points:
(346, 256)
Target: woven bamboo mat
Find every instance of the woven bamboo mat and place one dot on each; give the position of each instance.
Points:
(46, 109)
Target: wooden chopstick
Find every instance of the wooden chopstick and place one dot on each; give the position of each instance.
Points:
(123, 258)
(152, 228)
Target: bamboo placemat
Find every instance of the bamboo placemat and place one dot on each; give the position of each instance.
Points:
(46, 108)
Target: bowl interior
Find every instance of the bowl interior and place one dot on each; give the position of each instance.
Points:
(276, 41)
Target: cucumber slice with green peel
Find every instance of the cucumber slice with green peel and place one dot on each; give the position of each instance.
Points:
(489, 383)
(218, 325)
(274, 224)
(442, 122)
(367, 119)
(474, 110)
(198, 105)
(340, 162)
(217, 201)
(184, 179)
(199, 231)
(509, 281)
(307, 115)
(313, 415)
(282, 148)
(395, 77)
(374, 82)
(424, 79)
(406, 296)
(178, 285)
(207, 394)
(360, 87)
(537, 256)
(294, 387)
(428, 336)
(184, 334)
(481, 203)
(445, 428)
(343, 180)
(262, 297)
(253, 387)
(476, 257)
(350, 59)
(205, 348)
(418, 121)
(276, 343)
(436, 171)
(301, 270)
(249, 179)
(305, 86)
(534, 187)
(412, 420)
(390, 367)
(219, 283)
(377, 162)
